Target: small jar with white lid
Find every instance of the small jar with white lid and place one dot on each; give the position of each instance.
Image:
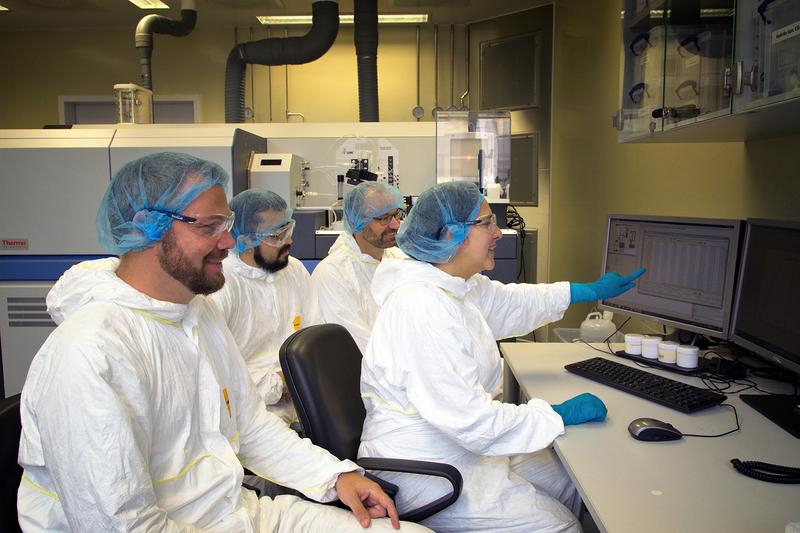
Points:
(687, 356)
(650, 346)
(667, 351)
(633, 343)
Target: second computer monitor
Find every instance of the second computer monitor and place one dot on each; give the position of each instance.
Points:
(691, 269)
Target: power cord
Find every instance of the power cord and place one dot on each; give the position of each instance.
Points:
(767, 472)
(738, 427)
(515, 221)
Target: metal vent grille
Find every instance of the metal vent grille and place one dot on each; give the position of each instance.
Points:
(27, 312)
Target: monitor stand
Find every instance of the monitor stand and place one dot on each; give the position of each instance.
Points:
(782, 409)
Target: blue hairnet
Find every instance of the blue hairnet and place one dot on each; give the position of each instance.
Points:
(369, 200)
(166, 180)
(258, 212)
(435, 227)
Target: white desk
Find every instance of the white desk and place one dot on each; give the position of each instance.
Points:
(672, 487)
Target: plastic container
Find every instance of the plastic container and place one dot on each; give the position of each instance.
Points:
(650, 346)
(668, 351)
(596, 328)
(574, 335)
(687, 356)
(633, 343)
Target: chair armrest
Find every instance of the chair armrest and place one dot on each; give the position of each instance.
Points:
(449, 472)
(389, 488)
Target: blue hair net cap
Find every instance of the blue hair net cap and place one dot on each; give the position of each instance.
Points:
(435, 227)
(369, 200)
(167, 180)
(258, 213)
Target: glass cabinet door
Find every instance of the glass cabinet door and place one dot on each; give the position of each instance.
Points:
(642, 72)
(767, 67)
(698, 58)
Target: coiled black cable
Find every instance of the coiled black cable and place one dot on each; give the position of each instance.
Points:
(767, 472)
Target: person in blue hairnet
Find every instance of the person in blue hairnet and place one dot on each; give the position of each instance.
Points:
(266, 293)
(138, 412)
(432, 369)
(372, 215)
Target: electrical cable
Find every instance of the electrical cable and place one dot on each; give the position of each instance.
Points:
(738, 427)
(515, 221)
(767, 472)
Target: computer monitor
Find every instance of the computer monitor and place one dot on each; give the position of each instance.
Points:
(691, 270)
(766, 317)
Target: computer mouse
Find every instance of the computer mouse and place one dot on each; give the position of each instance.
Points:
(651, 429)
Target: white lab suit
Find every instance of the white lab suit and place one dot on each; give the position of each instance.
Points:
(138, 414)
(262, 309)
(428, 377)
(341, 284)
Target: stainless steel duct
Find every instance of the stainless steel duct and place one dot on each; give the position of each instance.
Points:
(151, 24)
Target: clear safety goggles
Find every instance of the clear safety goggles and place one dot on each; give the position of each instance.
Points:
(279, 236)
(211, 226)
(386, 219)
(487, 221)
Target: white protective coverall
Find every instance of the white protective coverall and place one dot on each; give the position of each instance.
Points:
(138, 414)
(341, 284)
(428, 378)
(262, 309)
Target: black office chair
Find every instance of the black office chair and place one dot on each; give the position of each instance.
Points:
(10, 430)
(322, 368)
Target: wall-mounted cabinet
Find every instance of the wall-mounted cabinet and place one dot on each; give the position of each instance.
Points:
(709, 70)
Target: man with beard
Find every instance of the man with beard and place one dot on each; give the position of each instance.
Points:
(138, 413)
(341, 281)
(265, 298)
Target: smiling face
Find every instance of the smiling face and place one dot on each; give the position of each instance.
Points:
(476, 253)
(189, 256)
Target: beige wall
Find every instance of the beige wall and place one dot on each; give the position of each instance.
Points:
(47, 64)
(593, 175)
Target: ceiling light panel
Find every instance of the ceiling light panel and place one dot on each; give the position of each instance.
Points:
(284, 20)
(149, 4)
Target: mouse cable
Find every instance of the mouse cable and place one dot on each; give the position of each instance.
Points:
(767, 472)
(735, 414)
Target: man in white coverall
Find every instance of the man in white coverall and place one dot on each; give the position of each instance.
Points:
(432, 369)
(266, 293)
(138, 411)
(372, 215)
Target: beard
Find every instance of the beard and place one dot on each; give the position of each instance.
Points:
(279, 263)
(386, 239)
(176, 264)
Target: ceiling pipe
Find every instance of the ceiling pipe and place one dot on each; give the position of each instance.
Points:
(151, 24)
(279, 51)
(366, 41)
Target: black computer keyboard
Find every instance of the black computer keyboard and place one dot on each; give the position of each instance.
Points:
(668, 392)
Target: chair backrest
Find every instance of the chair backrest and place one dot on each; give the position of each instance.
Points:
(10, 430)
(322, 368)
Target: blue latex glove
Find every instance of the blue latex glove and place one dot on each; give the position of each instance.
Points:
(582, 408)
(608, 285)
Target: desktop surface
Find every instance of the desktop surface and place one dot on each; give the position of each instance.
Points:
(685, 485)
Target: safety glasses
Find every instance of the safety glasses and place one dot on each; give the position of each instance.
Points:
(487, 221)
(211, 226)
(385, 220)
(279, 236)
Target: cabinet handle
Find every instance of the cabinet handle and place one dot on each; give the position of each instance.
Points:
(762, 9)
(677, 113)
(641, 37)
(743, 78)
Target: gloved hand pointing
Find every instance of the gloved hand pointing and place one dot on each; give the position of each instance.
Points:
(608, 285)
(582, 408)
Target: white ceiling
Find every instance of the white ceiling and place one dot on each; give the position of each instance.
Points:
(53, 14)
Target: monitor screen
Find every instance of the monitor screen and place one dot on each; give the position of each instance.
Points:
(766, 317)
(691, 269)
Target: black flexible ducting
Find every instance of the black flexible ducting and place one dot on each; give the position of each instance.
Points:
(279, 51)
(366, 40)
(151, 24)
